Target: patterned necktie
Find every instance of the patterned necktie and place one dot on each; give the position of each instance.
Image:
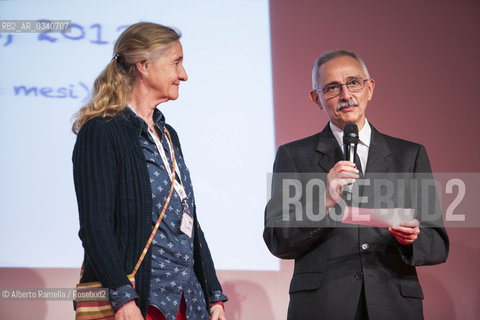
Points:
(359, 165)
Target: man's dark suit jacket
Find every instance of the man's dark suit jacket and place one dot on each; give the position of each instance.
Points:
(332, 261)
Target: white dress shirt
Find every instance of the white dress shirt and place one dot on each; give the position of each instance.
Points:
(365, 136)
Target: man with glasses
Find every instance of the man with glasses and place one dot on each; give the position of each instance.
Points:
(354, 272)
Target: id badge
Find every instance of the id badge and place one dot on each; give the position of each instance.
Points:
(186, 226)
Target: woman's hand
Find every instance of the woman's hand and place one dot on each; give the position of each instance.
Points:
(129, 311)
(217, 312)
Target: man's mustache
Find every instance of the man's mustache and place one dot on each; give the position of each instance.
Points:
(350, 103)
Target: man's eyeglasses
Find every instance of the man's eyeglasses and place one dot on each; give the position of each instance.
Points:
(334, 89)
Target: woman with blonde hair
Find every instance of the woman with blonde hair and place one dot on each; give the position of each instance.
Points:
(134, 191)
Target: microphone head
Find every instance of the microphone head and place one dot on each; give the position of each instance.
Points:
(350, 133)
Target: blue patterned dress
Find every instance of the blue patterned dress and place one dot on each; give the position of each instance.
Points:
(172, 250)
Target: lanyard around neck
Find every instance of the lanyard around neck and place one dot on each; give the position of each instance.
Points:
(171, 174)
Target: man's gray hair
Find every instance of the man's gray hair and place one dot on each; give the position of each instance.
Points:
(330, 55)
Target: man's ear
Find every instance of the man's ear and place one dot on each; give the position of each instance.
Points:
(313, 95)
(370, 87)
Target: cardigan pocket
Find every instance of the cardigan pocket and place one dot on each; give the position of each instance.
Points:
(305, 282)
(411, 288)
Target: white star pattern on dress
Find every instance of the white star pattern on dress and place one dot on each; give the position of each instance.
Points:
(171, 274)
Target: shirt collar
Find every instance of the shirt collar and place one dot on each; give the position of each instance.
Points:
(138, 122)
(365, 135)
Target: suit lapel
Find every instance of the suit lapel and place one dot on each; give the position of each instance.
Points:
(330, 152)
(378, 154)
(379, 160)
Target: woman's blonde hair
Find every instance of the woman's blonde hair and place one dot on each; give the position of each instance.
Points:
(139, 42)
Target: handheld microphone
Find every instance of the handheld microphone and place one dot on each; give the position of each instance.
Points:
(350, 141)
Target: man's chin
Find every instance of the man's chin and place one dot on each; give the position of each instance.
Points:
(350, 119)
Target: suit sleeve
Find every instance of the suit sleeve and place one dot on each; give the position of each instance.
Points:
(432, 244)
(284, 236)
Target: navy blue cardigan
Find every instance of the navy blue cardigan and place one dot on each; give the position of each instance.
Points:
(115, 207)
